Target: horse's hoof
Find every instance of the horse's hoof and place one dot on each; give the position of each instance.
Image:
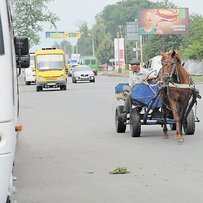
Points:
(165, 136)
(179, 143)
(179, 139)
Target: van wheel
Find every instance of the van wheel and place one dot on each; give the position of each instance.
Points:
(63, 87)
(8, 200)
(39, 88)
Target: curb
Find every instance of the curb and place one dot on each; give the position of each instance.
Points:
(115, 74)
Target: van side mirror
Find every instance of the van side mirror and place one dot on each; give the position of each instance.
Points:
(21, 46)
(23, 61)
(22, 52)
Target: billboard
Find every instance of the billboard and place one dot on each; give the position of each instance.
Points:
(163, 21)
(61, 35)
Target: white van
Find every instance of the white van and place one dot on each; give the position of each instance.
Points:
(154, 64)
(29, 73)
(11, 51)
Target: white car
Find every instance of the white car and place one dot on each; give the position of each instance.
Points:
(83, 73)
(154, 64)
(29, 73)
(72, 66)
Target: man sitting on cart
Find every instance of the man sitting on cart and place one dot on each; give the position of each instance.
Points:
(138, 75)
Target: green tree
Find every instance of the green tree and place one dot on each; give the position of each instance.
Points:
(155, 44)
(65, 45)
(125, 11)
(114, 16)
(193, 49)
(98, 32)
(105, 50)
(29, 16)
(84, 43)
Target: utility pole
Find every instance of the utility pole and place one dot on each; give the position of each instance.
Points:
(93, 51)
(118, 37)
(166, 2)
(141, 50)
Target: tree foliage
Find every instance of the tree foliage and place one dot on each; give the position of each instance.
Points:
(65, 45)
(194, 48)
(29, 16)
(105, 50)
(84, 43)
(127, 11)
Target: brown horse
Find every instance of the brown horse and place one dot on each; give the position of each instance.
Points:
(176, 91)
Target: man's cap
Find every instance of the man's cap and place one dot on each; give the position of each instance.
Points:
(135, 62)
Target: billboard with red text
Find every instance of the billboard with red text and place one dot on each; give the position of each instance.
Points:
(163, 21)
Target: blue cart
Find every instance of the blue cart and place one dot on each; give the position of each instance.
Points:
(146, 110)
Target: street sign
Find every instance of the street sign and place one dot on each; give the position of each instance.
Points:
(62, 35)
(132, 31)
(136, 49)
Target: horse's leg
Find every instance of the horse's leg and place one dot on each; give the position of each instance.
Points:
(177, 114)
(183, 107)
(165, 129)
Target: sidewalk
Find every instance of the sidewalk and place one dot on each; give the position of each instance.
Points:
(197, 80)
(114, 73)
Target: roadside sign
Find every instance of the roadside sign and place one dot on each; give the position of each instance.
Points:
(62, 35)
(132, 31)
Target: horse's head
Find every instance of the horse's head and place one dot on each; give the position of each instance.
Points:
(170, 57)
(167, 62)
(172, 70)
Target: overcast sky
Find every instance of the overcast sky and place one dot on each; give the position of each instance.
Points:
(73, 12)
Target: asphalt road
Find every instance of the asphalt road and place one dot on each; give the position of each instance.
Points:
(69, 145)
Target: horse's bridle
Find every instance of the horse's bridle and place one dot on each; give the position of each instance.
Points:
(168, 75)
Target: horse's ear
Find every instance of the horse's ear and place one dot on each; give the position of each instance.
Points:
(173, 53)
(161, 53)
(183, 63)
(170, 51)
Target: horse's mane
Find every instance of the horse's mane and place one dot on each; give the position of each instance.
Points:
(177, 56)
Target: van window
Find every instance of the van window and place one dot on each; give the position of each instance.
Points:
(1, 38)
(93, 62)
(87, 62)
(50, 62)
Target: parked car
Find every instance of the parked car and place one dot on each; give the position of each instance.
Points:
(71, 68)
(154, 64)
(29, 73)
(83, 73)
